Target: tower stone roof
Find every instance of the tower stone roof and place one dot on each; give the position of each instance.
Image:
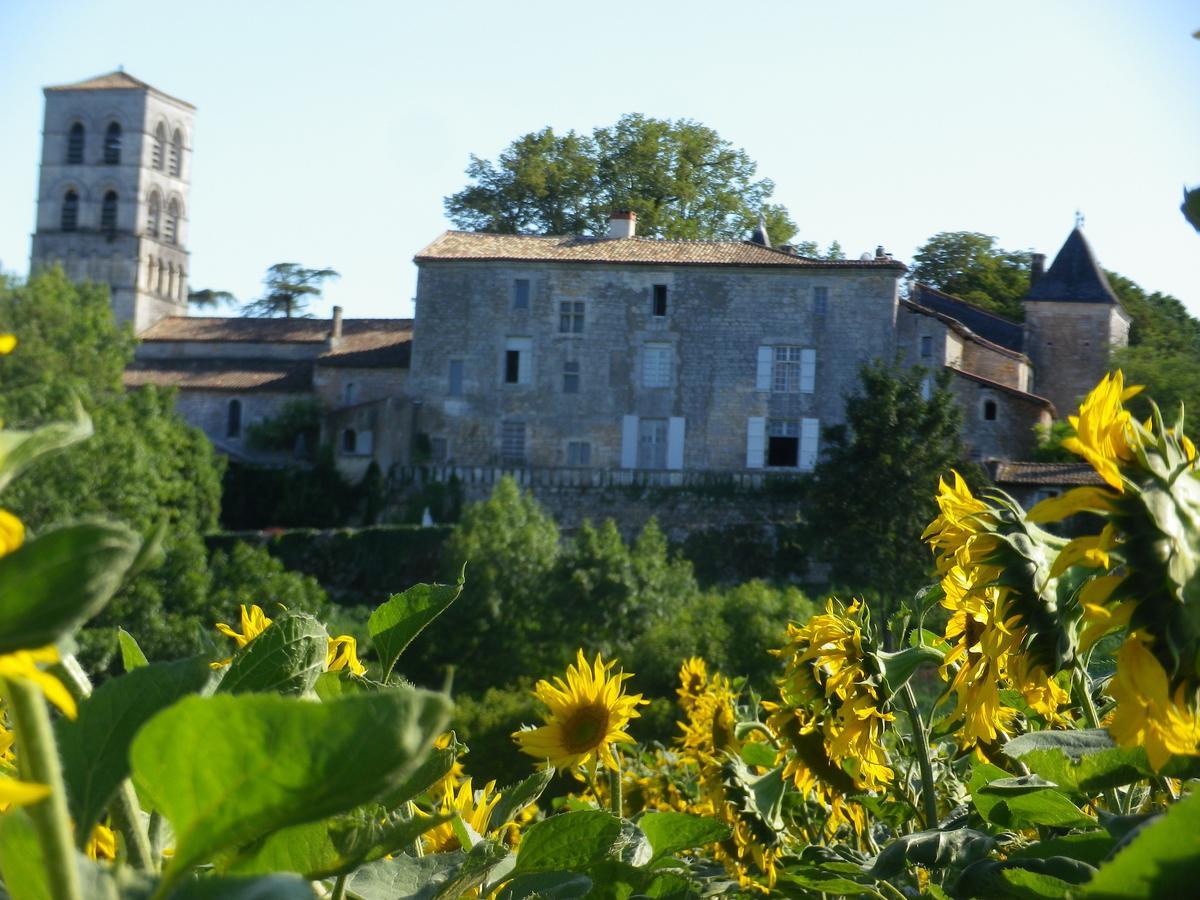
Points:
(1074, 276)
(119, 80)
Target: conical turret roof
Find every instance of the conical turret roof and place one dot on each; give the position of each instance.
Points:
(1074, 276)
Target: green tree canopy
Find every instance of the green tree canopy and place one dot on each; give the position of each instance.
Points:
(682, 179)
(969, 265)
(288, 289)
(872, 492)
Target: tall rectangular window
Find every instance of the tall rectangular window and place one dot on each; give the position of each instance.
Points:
(793, 370)
(783, 443)
(656, 365)
(571, 377)
(652, 443)
(512, 443)
(926, 346)
(579, 453)
(518, 353)
(456, 378)
(520, 294)
(660, 300)
(820, 300)
(570, 317)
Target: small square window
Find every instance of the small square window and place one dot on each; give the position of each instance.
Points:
(456, 378)
(521, 294)
(820, 300)
(570, 317)
(571, 377)
(512, 443)
(660, 300)
(579, 453)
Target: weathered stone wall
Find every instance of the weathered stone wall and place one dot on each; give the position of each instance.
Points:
(1070, 345)
(209, 411)
(1010, 435)
(339, 386)
(1006, 368)
(717, 319)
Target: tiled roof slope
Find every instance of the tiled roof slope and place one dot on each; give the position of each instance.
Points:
(1006, 388)
(1009, 472)
(110, 81)
(220, 375)
(359, 333)
(1074, 276)
(469, 245)
(988, 325)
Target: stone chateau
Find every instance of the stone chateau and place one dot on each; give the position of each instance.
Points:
(571, 360)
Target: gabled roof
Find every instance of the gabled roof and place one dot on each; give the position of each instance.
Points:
(119, 80)
(361, 332)
(470, 245)
(1033, 399)
(242, 375)
(1074, 276)
(987, 325)
(1017, 472)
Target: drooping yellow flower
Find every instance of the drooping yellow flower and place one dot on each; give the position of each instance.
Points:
(709, 729)
(254, 623)
(1089, 551)
(693, 677)
(8, 343)
(102, 844)
(24, 664)
(1098, 618)
(343, 654)
(1147, 714)
(587, 714)
(960, 521)
(20, 793)
(1104, 435)
(12, 532)
(1076, 500)
(475, 809)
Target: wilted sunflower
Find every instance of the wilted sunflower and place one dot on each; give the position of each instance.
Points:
(1104, 433)
(587, 713)
(343, 654)
(1148, 714)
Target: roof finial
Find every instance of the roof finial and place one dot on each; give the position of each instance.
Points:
(1078, 219)
(759, 235)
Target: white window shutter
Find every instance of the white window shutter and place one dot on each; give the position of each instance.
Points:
(675, 442)
(808, 370)
(810, 436)
(766, 357)
(756, 439)
(629, 442)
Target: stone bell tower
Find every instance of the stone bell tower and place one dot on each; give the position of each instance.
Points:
(1073, 322)
(113, 193)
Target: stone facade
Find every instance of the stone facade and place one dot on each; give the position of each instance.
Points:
(113, 193)
(1070, 345)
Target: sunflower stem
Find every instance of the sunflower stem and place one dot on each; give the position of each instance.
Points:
(339, 889)
(1083, 695)
(37, 761)
(614, 786)
(921, 739)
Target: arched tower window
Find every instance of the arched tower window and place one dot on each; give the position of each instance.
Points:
(108, 212)
(112, 144)
(171, 231)
(70, 211)
(160, 147)
(349, 441)
(989, 410)
(154, 216)
(176, 153)
(233, 419)
(75, 145)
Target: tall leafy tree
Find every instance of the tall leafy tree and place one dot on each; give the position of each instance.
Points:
(970, 266)
(288, 289)
(682, 179)
(872, 491)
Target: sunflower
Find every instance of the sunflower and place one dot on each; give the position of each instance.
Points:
(12, 532)
(254, 623)
(587, 714)
(709, 729)
(473, 807)
(1104, 433)
(693, 677)
(1148, 714)
(102, 844)
(343, 654)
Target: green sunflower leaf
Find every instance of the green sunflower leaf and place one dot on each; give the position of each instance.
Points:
(287, 658)
(1162, 859)
(569, 841)
(1082, 761)
(403, 616)
(1022, 803)
(671, 832)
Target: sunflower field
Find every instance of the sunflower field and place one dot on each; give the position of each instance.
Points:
(1027, 727)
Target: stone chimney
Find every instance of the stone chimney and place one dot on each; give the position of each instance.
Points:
(880, 253)
(335, 328)
(622, 224)
(1037, 268)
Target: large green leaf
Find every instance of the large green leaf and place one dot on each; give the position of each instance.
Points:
(1086, 846)
(332, 846)
(516, 798)
(1162, 860)
(547, 886)
(403, 616)
(932, 849)
(899, 667)
(21, 861)
(61, 579)
(272, 887)
(406, 877)
(824, 880)
(1022, 879)
(20, 448)
(1022, 803)
(95, 746)
(287, 658)
(570, 841)
(1084, 760)
(226, 770)
(671, 832)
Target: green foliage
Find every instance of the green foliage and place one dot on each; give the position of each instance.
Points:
(970, 266)
(262, 497)
(397, 622)
(288, 288)
(1161, 861)
(1050, 438)
(248, 574)
(297, 421)
(486, 722)
(872, 491)
(681, 178)
(1191, 206)
(287, 658)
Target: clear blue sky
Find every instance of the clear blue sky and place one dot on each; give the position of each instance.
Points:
(328, 133)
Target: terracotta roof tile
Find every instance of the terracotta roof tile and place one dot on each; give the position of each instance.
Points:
(111, 81)
(1009, 472)
(221, 375)
(468, 245)
(359, 333)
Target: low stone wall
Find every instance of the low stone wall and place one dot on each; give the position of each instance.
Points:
(683, 502)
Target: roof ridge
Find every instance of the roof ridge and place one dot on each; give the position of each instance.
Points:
(955, 297)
